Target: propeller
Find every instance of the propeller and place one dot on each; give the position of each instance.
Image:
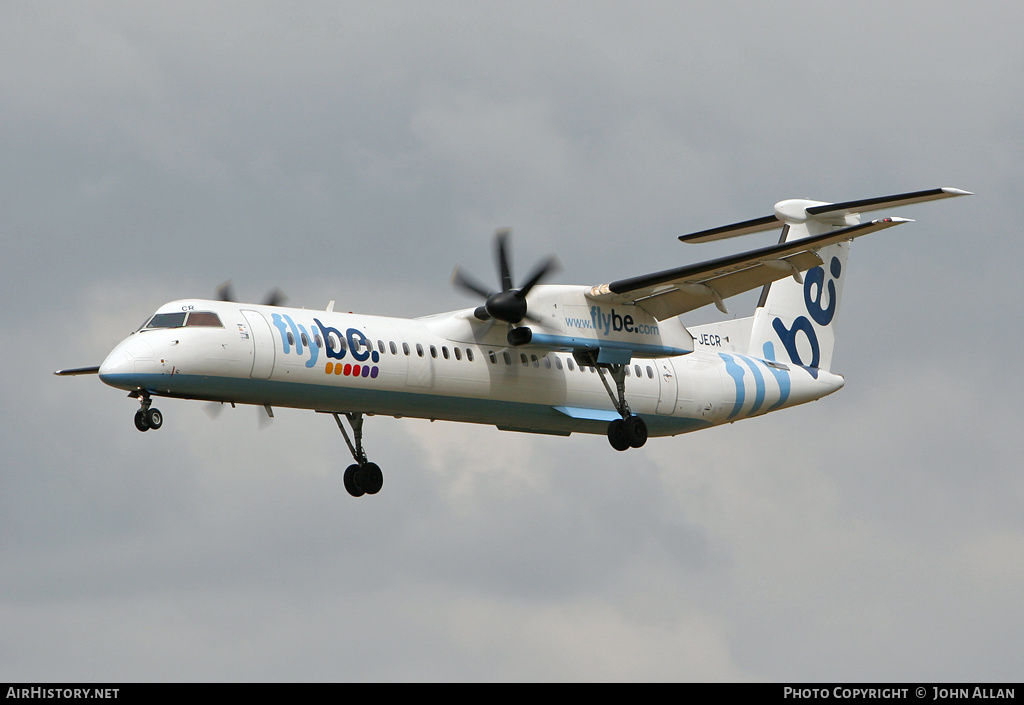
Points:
(274, 297)
(508, 304)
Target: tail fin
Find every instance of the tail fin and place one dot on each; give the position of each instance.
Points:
(794, 320)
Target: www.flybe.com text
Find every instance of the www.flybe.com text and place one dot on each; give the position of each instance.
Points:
(613, 321)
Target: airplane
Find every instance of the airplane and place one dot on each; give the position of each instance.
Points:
(535, 358)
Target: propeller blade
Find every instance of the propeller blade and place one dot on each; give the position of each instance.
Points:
(550, 265)
(226, 292)
(460, 279)
(274, 297)
(500, 238)
(508, 304)
(213, 409)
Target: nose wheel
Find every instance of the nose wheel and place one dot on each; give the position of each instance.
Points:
(147, 417)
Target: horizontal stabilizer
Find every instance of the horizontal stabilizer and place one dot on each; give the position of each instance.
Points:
(874, 204)
(829, 212)
(757, 225)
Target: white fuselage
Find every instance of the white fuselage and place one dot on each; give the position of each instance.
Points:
(451, 367)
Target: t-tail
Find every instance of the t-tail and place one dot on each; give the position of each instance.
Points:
(794, 322)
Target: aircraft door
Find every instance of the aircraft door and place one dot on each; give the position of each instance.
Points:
(668, 387)
(263, 345)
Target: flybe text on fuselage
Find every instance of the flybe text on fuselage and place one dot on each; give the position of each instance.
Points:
(295, 339)
(608, 322)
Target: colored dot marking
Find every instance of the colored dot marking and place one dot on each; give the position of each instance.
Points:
(330, 368)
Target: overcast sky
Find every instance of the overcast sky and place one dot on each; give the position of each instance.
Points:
(358, 151)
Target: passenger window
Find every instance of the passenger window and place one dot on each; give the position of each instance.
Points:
(305, 340)
(533, 358)
(491, 357)
(291, 338)
(419, 349)
(572, 367)
(405, 349)
(444, 352)
(637, 369)
(508, 359)
(458, 354)
(433, 352)
(469, 354)
(650, 372)
(525, 360)
(335, 342)
(394, 349)
(627, 370)
(318, 340)
(558, 363)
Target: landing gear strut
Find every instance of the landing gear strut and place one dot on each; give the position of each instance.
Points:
(147, 417)
(630, 431)
(363, 477)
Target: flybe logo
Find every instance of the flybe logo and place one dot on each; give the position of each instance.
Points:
(353, 344)
(605, 323)
(814, 292)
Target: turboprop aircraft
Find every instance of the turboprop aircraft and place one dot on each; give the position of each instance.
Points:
(611, 359)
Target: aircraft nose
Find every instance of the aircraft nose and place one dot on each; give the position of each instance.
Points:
(119, 367)
(118, 362)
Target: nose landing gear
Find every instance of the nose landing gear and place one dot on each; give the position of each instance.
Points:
(147, 417)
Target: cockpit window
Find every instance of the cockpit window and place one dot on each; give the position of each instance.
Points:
(203, 318)
(206, 319)
(166, 320)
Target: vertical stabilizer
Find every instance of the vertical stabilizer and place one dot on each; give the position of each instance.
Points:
(794, 322)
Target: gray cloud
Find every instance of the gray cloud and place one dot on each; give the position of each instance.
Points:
(358, 151)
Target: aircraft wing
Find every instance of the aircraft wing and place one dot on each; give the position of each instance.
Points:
(676, 291)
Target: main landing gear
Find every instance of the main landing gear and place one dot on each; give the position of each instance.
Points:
(630, 431)
(363, 477)
(147, 417)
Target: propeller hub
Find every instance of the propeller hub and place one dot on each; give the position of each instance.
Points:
(508, 306)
